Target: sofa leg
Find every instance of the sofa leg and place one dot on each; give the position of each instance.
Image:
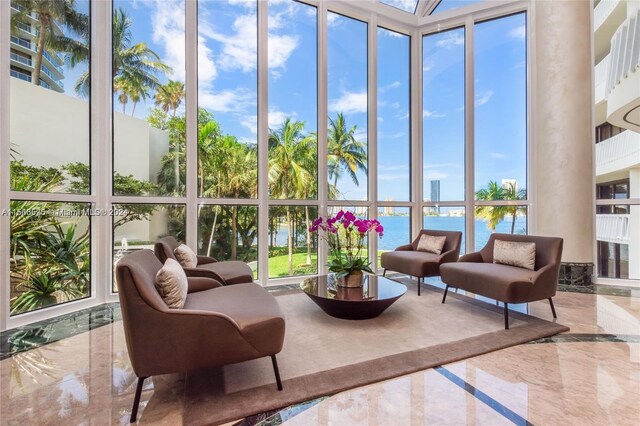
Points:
(384, 272)
(506, 316)
(136, 400)
(553, 309)
(419, 284)
(276, 371)
(444, 296)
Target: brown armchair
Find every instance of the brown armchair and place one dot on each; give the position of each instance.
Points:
(218, 325)
(408, 260)
(227, 272)
(476, 273)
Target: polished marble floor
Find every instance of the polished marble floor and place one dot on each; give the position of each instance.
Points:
(590, 375)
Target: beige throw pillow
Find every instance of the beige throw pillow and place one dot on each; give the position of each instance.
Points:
(172, 284)
(186, 256)
(431, 244)
(522, 255)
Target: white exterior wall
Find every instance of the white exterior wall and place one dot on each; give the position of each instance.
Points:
(52, 129)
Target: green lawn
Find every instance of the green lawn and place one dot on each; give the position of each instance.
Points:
(279, 262)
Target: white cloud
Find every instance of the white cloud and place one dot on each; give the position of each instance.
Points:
(380, 119)
(408, 5)
(168, 30)
(395, 105)
(227, 100)
(333, 20)
(251, 123)
(389, 86)
(435, 176)
(519, 32)
(276, 118)
(396, 135)
(498, 155)
(483, 97)
(431, 114)
(392, 34)
(393, 176)
(453, 38)
(349, 103)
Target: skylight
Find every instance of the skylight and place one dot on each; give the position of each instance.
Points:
(406, 5)
(452, 4)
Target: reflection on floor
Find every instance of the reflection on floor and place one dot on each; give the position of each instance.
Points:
(590, 375)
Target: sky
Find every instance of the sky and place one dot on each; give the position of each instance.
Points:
(227, 85)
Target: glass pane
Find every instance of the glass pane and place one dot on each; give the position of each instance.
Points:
(227, 99)
(446, 219)
(149, 125)
(501, 89)
(443, 116)
(394, 166)
(347, 107)
(138, 226)
(359, 212)
(406, 5)
(50, 254)
(502, 219)
(396, 222)
(293, 152)
(49, 98)
(229, 232)
(445, 5)
(293, 250)
(618, 237)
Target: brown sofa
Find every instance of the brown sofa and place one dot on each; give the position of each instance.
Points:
(218, 325)
(476, 273)
(227, 272)
(407, 259)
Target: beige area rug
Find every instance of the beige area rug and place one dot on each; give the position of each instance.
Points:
(323, 355)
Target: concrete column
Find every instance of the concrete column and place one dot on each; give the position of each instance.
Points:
(562, 173)
(634, 226)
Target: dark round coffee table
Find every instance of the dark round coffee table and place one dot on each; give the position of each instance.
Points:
(354, 303)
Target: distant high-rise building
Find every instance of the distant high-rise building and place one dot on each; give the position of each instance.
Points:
(508, 182)
(435, 194)
(23, 54)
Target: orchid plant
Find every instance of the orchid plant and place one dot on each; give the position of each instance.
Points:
(346, 236)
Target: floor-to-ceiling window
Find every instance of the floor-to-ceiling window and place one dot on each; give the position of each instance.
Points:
(232, 125)
(49, 166)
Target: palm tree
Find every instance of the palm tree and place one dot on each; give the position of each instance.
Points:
(492, 214)
(169, 96)
(290, 165)
(135, 63)
(346, 154)
(512, 194)
(122, 87)
(50, 15)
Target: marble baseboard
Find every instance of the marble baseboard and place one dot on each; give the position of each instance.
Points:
(576, 274)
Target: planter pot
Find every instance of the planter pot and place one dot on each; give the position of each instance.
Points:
(354, 279)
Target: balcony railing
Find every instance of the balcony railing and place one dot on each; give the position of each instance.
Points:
(21, 59)
(619, 152)
(625, 51)
(20, 75)
(612, 228)
(602, 12)
(25, 27)
(21, 42)
(600, 77)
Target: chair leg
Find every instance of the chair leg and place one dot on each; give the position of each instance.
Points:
(419, 284)
(384, 272)
(506, 316)
(276, 371)
(444, 296)
(553, 309)
(136, 400)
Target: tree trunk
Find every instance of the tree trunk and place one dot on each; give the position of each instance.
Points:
(513, 222)
(213, 230)
(176, 167)
(306, 221)
(290, 240)
(234, 232)
(134, 108)
(37, 66)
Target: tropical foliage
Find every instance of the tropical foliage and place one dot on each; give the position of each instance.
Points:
(493, 215)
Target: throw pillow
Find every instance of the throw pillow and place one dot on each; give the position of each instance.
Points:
(186, 256)
(172, 284)
(431, 244)
(514, 253)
